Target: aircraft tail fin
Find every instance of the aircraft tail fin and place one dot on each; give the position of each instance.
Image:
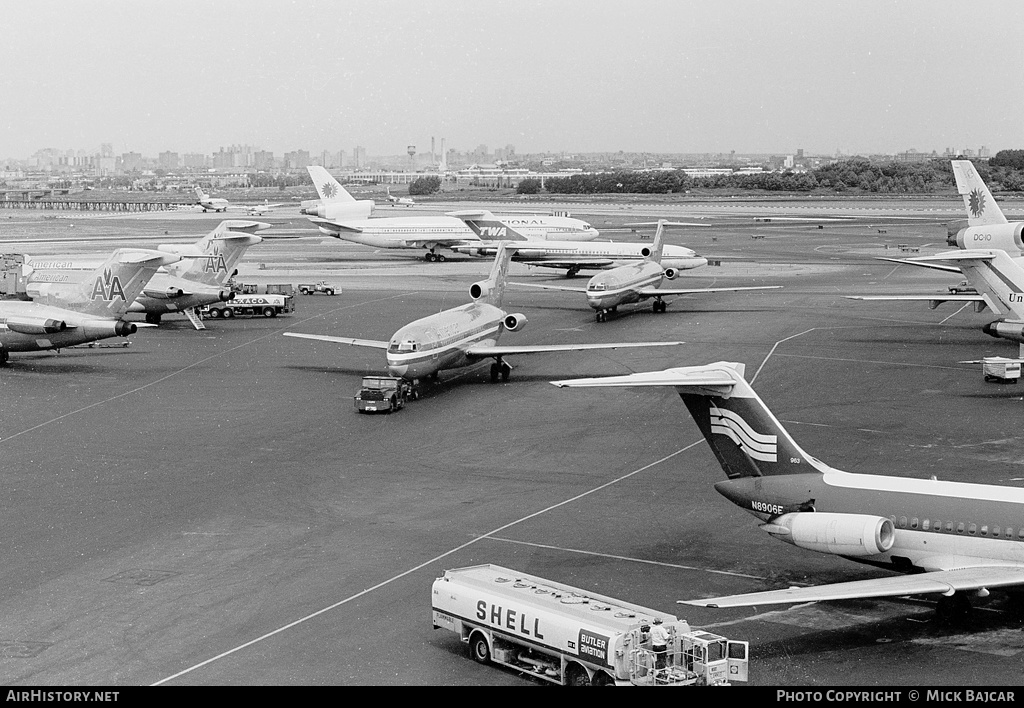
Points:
(200, 194)
(492, 290)
(112, 287)
(982, 209)
(746, 437)
(329, 189)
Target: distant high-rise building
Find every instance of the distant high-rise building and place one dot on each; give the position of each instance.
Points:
(194, 160)
(358, 157)
(168, 160)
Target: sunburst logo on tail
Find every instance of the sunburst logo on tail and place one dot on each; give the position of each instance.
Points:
(329, 190)
(976, 202)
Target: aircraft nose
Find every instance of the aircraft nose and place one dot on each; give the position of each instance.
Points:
(398, 369)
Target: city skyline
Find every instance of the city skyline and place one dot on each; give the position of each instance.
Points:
(580, 77)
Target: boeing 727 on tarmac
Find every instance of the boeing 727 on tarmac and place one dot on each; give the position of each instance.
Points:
(398, 201)
(201, 278)
(951, 538)
(462, 336)
(62, 314)
(637, 281)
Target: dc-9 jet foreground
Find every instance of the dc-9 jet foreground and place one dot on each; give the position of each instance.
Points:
(464, 335)
(950, 538)
(637, 281)
(63, 315)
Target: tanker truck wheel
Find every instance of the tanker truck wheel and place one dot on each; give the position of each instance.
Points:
(480, 649)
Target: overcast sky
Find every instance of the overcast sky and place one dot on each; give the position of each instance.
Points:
(562, 75)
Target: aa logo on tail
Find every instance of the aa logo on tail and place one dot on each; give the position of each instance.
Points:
(215, 263)
(976, 202)
(107, 287)
(757, 445)
(329, 190)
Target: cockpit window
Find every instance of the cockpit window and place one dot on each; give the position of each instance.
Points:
(596, 286)
(406, 345)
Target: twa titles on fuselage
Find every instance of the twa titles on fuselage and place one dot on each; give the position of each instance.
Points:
(65, 314)
(949, 538)
(640, 280)
(200, 278)
(464, 335)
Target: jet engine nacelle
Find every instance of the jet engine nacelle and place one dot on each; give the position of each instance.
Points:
(646, 252)
(1013, 331)
(1004, 237)
(123, 329)
(225, 295)
(169, 293)
(514, 322)
(671, 273)
(840, 534)
(35, 325)
(479, 290)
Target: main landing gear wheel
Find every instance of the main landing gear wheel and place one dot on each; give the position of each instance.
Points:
(4, 357)
(502, 369)
(153, 318)
(602, 315)
(432, 257)
(953, 608)
(660, 306)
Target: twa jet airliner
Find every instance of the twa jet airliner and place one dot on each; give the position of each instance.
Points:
(950, 538)
(464, 335)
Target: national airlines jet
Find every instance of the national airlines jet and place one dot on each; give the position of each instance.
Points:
(464, 335)
(947, 538)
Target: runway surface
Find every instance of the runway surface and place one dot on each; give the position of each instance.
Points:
(207, 508)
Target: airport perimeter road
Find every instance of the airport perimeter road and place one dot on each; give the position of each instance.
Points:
(208, 508)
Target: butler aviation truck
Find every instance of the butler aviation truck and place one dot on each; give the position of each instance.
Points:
(574, 637)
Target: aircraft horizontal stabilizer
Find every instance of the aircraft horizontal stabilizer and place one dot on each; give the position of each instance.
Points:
(713, 377)
(336, 226)
(938, 297)
(482, 351)
(910, 261)
(654, 292)
(944, 582)
(372, 343)
(476, 214)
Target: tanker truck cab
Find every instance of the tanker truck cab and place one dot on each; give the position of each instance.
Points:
(565, 635)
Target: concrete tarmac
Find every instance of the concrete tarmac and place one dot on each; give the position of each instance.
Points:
(207, 508)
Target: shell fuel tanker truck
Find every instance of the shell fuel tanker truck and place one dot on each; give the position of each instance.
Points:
(569, 636)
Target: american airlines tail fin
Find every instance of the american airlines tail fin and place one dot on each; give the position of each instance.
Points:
(212, 259)
(329, 189)
(747, 439)
(492, 290)
(111, 288)
(982, 209)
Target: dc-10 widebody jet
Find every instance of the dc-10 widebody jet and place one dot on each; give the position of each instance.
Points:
(65, 314)
(465, 335)
(948, 538)
(634, 282)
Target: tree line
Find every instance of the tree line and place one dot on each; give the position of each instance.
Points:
(1002, 173)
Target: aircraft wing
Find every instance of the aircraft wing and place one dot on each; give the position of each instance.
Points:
(481, 351)
(550, 287)
(944, 582)
(372, 343)
(655, 292)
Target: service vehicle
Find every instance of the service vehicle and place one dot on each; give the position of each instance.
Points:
(320, 286)
(1001, 370)
(383, 393)
(569, 636)
(280, 289)
(251, 306)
